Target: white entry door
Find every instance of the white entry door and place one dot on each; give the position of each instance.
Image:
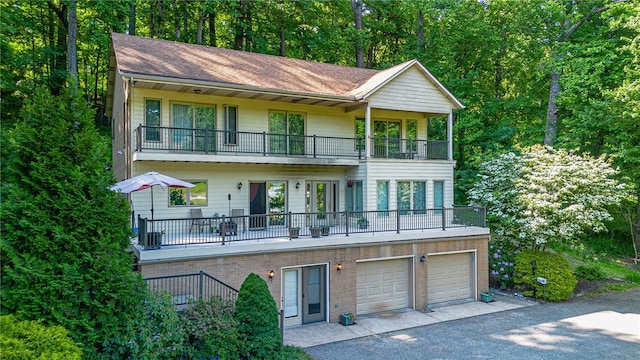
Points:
(304, 295)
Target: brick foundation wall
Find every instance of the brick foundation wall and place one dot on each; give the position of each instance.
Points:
(342, 284)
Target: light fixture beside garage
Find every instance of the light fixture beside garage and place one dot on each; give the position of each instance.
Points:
(339, 266)
(423, 258)
(271, 274)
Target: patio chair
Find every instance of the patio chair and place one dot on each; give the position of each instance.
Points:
(198, 221)
(237, 215)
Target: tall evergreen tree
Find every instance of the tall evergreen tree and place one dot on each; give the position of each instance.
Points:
(64, 233)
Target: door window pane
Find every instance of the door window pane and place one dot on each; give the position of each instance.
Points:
(386, 138)
(231, 124)
(152, 120)
(296, 134)
(313, 290)
(412, 136)
(205, 117)
(360, 134)
(182, 124)
(276, 202)
(354, 198)
(290, 293)
(277, 132)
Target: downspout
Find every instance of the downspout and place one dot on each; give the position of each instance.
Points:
(128, 129)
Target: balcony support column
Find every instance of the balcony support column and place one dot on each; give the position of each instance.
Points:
(367, 132)
(450, 136)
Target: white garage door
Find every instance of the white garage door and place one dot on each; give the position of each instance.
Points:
(383, 285)
(451, 277)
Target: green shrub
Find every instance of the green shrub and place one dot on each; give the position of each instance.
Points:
(257, 317)
(591, 273)
(295, 353)
(560, 280)
(152, 332)
(210, 329)
(501, 263)
(32, 340)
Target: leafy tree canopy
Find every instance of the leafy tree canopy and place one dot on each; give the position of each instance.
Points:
(544, 195)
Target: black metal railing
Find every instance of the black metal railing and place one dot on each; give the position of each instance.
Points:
(221, 142)
(396, 148)
(183, 288)
(153, 234)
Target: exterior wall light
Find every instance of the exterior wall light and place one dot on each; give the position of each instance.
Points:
(240, 186)
(423, 258)
(339, 266)
(271, 274)
(298, 185)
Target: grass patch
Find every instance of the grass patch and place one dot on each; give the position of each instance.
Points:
(585, 255)
(618, 271)
(295, 353)
(614, 288)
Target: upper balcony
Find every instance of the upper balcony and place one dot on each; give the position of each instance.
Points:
(164, 143)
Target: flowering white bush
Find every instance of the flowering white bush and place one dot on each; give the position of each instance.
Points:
(546, 194)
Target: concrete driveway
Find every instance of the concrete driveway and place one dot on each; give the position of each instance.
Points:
(600, 327)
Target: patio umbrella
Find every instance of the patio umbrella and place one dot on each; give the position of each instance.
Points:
(149, 180)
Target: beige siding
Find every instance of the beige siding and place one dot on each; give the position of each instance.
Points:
(411, 91)
(393, 172)
(222, 179)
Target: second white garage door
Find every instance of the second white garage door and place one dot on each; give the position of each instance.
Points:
(451, 277)
(383, 285)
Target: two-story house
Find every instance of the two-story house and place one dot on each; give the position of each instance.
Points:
(334, 183)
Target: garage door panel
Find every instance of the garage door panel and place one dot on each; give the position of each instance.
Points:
(450, 277)
(382, 285)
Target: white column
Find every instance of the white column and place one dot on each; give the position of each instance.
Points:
(367, 132)
(450, 135)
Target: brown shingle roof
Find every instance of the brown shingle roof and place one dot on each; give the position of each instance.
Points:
(168, 59)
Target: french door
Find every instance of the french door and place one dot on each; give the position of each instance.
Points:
(267, 204)
(322, 200)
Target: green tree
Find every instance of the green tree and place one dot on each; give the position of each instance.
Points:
(547, 195)
(257, 317)
(65, 234)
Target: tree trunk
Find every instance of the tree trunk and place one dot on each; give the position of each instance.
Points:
(212, 29)
(176, 20)
(201, 19)
(419, 33)
(283, 49)
(551, 128)
(72, 47)
(636, 234)
(357, 6)
(132, 19)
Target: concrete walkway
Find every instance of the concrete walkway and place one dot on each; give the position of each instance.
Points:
(324, 333)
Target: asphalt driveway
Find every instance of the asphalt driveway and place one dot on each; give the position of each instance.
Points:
(599, 327)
